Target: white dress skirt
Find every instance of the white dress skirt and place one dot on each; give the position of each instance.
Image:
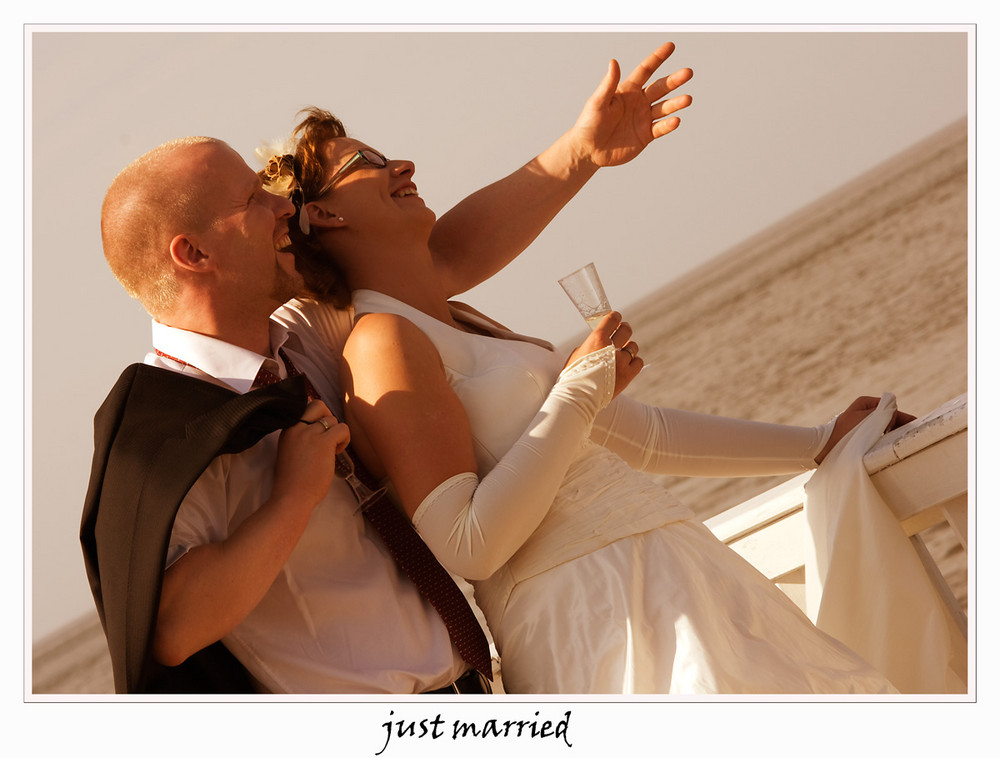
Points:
(620, 589)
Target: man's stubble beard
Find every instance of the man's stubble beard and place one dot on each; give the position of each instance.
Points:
(286, 285)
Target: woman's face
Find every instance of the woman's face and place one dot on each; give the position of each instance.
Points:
(370, 199)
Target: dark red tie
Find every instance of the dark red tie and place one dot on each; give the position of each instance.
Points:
(413, 556)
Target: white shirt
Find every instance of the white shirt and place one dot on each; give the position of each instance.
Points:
(340, 617)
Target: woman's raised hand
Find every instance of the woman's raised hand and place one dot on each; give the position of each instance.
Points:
(612, 330)
(622, 117)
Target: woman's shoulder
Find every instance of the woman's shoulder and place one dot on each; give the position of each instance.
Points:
(380, 339)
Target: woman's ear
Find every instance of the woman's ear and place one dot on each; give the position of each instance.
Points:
(322, 217)
(186, 253)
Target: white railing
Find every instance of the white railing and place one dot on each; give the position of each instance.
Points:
(920, 470)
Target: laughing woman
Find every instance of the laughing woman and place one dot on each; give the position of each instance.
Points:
(521, 469)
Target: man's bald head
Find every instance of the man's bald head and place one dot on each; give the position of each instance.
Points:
(154, 198)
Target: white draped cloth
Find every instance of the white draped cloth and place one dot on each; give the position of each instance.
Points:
(865, 584)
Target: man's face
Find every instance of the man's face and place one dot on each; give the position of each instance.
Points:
(248, 232)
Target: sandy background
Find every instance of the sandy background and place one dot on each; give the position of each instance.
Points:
(860, 293)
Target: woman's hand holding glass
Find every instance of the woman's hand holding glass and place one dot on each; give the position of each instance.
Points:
(585, 289)
(611, 330)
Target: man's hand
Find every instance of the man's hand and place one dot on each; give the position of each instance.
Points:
(621, 118)
(306, 463)
(209, 590)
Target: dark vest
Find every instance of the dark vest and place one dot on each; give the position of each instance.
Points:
(154, 435)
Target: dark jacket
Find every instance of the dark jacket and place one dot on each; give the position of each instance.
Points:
(154, 435)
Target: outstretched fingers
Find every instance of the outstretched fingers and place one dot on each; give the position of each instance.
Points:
(640, 75)
(667, 84)
(606, 89)
(661, 128)
(668, 107)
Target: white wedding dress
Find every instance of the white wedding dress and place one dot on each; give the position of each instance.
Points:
(619, 589)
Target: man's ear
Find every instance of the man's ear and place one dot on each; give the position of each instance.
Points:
(321, 217)
(186, 253)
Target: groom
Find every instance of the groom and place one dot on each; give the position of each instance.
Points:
(207, 468)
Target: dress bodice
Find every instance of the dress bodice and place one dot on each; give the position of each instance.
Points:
(501, 380)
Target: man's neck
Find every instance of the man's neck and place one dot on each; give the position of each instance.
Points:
(250, 332)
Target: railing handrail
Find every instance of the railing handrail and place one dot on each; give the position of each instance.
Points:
(941, 423)
(786, 498)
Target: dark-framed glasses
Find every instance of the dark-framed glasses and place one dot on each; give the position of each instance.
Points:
(367, 156)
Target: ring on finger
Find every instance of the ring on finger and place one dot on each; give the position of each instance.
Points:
(324, 422)
(632, 349)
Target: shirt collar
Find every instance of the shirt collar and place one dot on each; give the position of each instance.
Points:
(235, 366)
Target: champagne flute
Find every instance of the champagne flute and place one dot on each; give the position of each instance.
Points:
(587, 293)
(345, 470)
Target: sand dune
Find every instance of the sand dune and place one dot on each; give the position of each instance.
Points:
(860, 293)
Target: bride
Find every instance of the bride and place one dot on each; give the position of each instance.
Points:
(520, 469)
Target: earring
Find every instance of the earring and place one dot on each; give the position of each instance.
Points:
(340, 218)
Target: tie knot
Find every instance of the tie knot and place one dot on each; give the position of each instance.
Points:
(266, 377)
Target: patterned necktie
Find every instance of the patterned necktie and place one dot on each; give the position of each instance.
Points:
(413, 556)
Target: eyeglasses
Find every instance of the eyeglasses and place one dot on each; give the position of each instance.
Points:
(366, 156)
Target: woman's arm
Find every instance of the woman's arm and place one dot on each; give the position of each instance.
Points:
(491, 227)
(408, 424)
(683, 443)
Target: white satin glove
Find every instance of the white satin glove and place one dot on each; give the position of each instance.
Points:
(683, 443)
(475, 525)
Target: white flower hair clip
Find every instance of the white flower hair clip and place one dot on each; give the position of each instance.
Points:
(279, 177)
(269, 149)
